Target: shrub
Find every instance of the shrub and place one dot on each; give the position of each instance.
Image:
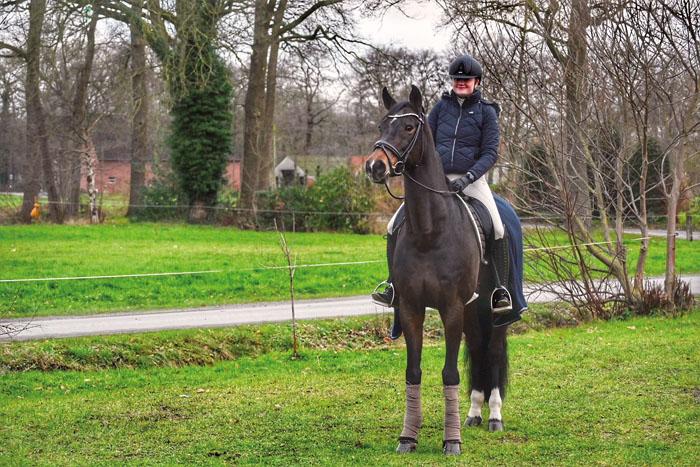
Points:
(162, 200)
(655, 299)
(338, 201)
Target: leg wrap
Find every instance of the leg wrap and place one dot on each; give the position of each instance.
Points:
(414, 415)
(452, 423)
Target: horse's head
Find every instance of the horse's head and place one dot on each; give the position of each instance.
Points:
(400, 146)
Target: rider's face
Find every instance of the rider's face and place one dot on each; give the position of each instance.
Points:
(463, 87)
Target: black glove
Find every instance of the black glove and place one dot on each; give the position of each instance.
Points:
(459, 184)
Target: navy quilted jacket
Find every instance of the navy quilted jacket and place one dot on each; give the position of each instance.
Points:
(466, 137)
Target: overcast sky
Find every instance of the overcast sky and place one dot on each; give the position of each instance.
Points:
(418, 31)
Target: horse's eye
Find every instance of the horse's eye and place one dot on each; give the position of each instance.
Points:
(409, 127)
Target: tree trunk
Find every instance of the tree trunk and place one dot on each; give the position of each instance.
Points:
(79, 119)
(677, 160)
(139, 122)
(271, 90)
(89, 158)
(37, 135)
(5, 154)
(575, 74)
(254, 108)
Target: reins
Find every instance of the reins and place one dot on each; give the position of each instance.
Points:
(399, 167)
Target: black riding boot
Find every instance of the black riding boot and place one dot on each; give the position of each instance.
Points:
(500, 299)
(389, 297)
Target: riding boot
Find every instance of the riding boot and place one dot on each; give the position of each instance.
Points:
(389, 296)
(500, 299)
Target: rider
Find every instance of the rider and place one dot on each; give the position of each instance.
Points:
(465, 131)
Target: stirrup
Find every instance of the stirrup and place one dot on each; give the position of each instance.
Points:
(379, 297)
(503, 308)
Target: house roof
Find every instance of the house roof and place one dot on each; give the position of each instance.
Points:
(288, 164)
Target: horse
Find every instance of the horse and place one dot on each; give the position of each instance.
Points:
(438, 264)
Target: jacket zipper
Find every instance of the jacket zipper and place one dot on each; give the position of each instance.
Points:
(454, 140)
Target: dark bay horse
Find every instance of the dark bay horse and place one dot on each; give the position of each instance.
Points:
(437, 264)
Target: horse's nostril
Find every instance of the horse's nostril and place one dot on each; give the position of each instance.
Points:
(378, 169)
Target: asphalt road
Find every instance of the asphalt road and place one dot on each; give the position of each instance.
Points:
(219, 316)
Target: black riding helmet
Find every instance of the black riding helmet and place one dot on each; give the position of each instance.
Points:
(465, 67)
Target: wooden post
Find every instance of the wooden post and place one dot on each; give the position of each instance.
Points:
(689, 226)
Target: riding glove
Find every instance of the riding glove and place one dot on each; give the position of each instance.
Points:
(459, 184)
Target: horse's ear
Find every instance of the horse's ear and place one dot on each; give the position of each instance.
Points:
(389, 101)
(416, 98)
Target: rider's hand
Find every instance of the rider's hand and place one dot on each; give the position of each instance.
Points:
(459, 184)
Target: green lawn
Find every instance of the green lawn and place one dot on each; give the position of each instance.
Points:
(68, 251)
(40, 251)
(615, 393)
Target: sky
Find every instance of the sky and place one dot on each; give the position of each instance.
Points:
(418, 31)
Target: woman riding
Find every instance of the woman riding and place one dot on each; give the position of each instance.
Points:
(465, 131)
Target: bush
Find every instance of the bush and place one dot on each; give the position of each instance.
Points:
(162, 200)
(656, 300)
(694, 211)
(338, 201)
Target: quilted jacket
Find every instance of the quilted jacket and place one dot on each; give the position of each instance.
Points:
(466, 136)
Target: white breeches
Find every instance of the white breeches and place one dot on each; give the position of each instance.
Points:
(480, 190)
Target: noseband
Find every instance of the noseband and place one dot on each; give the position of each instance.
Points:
(398, 168)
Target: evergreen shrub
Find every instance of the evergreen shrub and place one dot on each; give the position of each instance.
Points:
(339, 201)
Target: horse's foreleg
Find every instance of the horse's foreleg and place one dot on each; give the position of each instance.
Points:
(453, 321)
(498, 357)
(412, 321)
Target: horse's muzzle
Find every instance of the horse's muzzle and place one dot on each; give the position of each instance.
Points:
(376, 168)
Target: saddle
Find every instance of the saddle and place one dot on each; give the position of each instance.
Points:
(482, 223)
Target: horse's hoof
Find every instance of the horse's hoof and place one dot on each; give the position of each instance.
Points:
(452, 448)
(473, 421)
(406, 446)
(496, 425)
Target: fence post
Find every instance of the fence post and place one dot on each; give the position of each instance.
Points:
(689, 226)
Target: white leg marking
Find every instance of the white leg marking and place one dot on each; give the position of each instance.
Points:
(495, 404)
(477, 403)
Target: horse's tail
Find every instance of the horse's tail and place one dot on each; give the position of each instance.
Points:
(490, 346)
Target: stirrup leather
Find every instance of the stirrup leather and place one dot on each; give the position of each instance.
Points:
(379, 299)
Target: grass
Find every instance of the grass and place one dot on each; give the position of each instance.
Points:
(39, 251)
(68, 251)
(615, 393)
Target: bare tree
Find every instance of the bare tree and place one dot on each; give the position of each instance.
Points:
(38, 164)
(139, 118)
(275, 22)
(291, 259)
(678, 19)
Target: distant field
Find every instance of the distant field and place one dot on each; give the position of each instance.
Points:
(41, 251)
(615, 393)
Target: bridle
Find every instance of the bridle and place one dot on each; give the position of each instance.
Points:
(401, 156)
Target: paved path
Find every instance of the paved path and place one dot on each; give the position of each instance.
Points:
(220, 316)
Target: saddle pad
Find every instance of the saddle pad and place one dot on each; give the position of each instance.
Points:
(481, 219)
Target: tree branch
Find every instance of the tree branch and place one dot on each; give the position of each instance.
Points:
(301, 18)
(16, 51)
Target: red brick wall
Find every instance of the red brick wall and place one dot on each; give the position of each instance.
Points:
(115, 177)
(233, 175)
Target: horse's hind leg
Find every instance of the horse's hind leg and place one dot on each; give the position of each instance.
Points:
(498, 358)
(478, 374)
